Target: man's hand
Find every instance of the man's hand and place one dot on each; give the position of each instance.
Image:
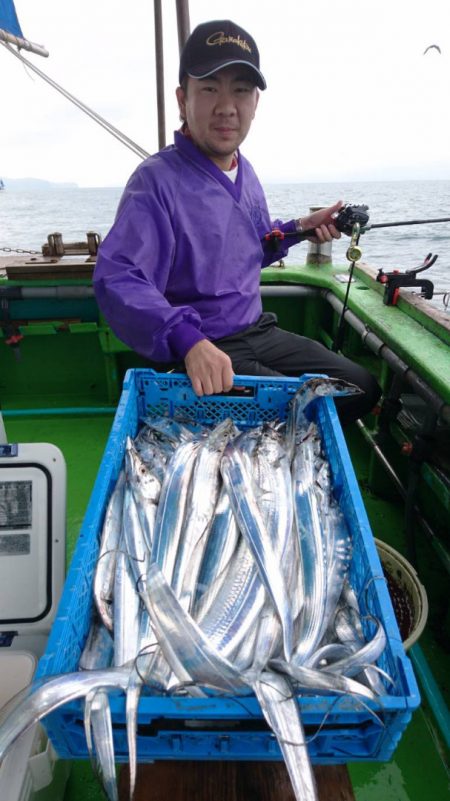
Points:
(209, 369)
(323, 222)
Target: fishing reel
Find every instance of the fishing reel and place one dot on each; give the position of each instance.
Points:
(345, 221)
(351, 220)
(349, 216)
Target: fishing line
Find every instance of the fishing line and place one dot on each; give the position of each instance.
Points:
(337, 342)
(365, 590)
(335, 703)
(146, 680)
(219, 692)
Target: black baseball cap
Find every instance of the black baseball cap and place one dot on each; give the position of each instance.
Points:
(217, 44)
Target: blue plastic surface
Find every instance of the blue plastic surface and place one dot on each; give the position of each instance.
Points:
(339, 729)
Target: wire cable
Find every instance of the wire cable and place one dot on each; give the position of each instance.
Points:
(139, 151)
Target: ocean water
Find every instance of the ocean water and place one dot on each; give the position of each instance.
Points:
(27, 217)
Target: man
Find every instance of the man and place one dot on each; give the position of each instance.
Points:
(177, 277)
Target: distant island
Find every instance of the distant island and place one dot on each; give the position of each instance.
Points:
(35, 183)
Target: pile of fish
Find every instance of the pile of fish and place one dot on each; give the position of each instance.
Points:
(223, 570)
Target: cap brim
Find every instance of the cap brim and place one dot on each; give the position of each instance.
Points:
(204, 71)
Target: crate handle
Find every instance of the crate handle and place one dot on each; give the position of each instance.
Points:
(239, 391)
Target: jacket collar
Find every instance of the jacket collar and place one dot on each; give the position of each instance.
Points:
(187, 147)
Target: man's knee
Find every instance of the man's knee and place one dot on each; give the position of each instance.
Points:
(370, 387)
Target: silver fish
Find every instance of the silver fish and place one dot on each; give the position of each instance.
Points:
(98, 718)
(186, 648)
(339, 549)
(222, 543)
(168, 527)
(126, 613)
(280, 709)
(134, 541)
(267, 642)
(350, 632)
(222, 562)
(203, 495)
(321, 682)
(327, 654)
(146, 489)
(311, 548)
(362, 657)
(155, 451)
(272, 476)
(103, 586)
(99, 648)
(172, 506)
(311, 390)
(172, 430)
(139, 675)
(235, 609)
(35, 702)
(241, 490)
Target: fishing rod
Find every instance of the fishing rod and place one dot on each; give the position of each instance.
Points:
(404, 222)
(349, 215)
(346, 219)
(353, 220)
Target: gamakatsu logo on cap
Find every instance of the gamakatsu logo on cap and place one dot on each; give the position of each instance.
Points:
(219, 38)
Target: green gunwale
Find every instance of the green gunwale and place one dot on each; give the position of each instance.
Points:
(88, 376)
(421, 349)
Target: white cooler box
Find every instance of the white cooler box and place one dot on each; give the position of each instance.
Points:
(32, 569)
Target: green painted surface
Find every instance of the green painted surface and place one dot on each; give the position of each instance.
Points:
(421, 349)
(431, 323)
(416, 773)
(413, 339)
(84, 368)
(406, 777)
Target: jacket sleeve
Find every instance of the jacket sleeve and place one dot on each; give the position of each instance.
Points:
(272, 254)
(131, 275)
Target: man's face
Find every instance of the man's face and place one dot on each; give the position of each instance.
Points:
(219, 111)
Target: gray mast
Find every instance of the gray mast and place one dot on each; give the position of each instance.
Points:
(159, 55)
(183, 23)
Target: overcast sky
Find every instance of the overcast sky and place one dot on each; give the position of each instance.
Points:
(351, 95)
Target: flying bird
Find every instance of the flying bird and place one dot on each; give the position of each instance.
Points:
(430, 47)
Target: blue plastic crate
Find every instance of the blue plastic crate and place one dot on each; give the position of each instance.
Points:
(338, 729)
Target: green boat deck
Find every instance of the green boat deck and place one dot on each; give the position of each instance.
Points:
(69, 369)
(407, 777)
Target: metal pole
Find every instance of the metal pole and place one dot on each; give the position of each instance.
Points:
(3, 437)
(23, 44)
(183, 24)
(159, 56)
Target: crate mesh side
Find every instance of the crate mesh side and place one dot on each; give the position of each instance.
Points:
(261, 400)
(366, 574)
(348, 730)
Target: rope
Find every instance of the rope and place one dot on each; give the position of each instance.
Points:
(139, 151)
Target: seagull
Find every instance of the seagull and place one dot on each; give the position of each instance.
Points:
(429, 48)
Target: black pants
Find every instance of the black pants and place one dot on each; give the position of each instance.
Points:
(265, 349)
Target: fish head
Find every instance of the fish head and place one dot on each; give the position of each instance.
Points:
(313, 388)
(322, 387)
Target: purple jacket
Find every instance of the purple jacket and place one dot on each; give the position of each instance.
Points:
(182, 261)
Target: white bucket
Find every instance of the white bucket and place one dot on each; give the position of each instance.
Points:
(404, 576)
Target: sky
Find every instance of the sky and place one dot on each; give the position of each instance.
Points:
(351, 95)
